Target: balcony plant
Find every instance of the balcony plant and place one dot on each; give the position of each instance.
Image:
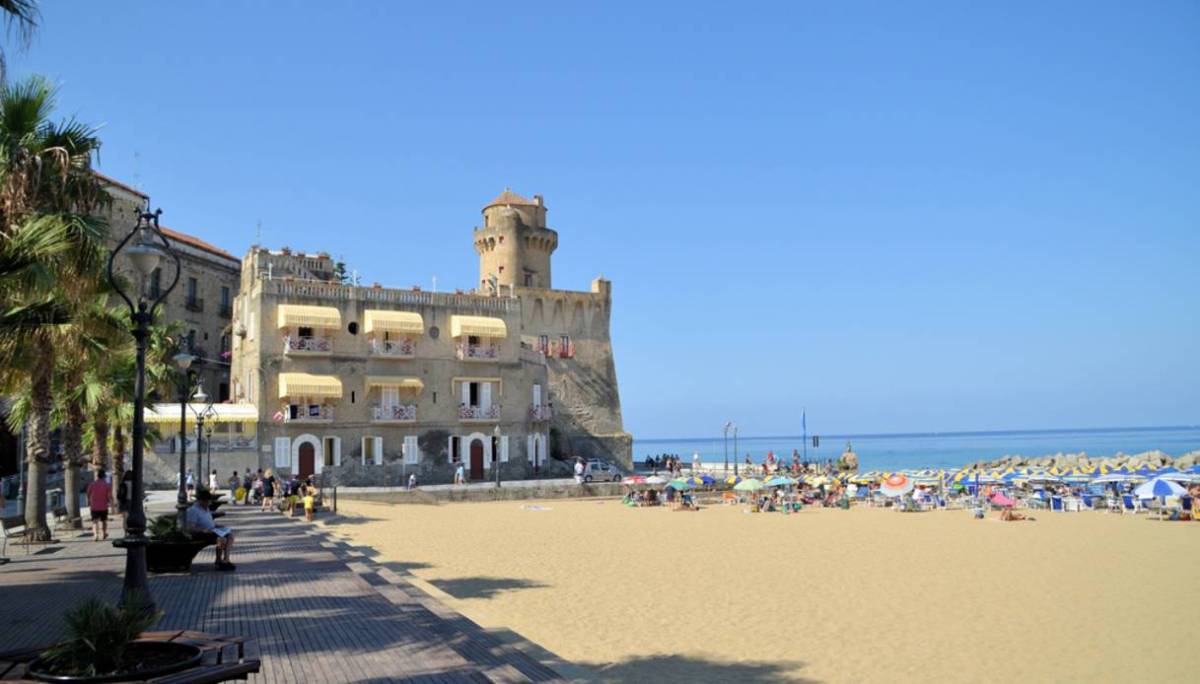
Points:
(102, 646)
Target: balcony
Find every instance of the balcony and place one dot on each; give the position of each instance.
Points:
(400, 413)
(194, 304)
(226, 311)
(539, 413)
(478, 352)
(296, 344)
(308, 413)
(394, 349)
(486, 413)
(559, 350)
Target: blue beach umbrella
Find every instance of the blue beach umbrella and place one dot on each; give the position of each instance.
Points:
(779, 481)
(1158, 488)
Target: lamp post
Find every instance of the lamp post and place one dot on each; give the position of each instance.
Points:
(145, 246)
(726, 430)
(735, 451)
(183, 361)
(208, 431)
(201, 414)
(496, 454)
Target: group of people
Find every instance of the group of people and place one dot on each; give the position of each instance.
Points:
(265, 490)
(670, 463)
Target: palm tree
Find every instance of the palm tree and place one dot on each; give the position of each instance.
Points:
(48, 198)
(95, 337)
(20, 17)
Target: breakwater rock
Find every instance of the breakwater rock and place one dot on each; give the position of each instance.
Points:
(1156, 459)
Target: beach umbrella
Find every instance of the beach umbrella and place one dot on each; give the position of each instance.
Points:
(679, 484)
(1001, 500)
(656, 480)
(897, 484)
(733, 479)
(748, 485)
(1174, 475)
(1158, 488)
(634, 479)
(701, 480)
(779, 481)
(1113, 477)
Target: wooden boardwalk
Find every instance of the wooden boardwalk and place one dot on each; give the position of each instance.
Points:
(320, 609)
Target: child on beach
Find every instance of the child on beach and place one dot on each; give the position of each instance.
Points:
(309, 503)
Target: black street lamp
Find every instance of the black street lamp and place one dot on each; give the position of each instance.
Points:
(202, 414)
(208, 431)
(183, 361)
(145, 246)
(735, 452)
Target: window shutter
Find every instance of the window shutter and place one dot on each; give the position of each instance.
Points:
(529, 448)
(283, 452)
(485, 394)
(504, 449)
(365, 450)
(378, 450)
(450, 449)
(337, 451)
(412, 452)
(466, 393)
(537, 395)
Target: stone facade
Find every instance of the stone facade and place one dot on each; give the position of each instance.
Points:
(202, 301)
(349, 378)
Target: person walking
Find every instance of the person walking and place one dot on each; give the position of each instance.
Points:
(235, 483)
(99, 495)
(268, 490)
(460, 474)
(579, 470)
(212, 481)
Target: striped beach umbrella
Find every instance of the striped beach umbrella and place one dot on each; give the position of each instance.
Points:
(897, 484)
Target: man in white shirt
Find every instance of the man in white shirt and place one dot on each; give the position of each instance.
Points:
(579, 470)
(200, 523)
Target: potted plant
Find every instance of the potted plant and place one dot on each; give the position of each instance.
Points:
(169, 548)
(102, 646)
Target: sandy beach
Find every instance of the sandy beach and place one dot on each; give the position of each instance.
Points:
(826, 595)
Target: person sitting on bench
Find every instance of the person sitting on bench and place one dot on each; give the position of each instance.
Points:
(200, 524)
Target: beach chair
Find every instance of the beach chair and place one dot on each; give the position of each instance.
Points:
(1129, 504)
(1086, 501)
(1056, 504)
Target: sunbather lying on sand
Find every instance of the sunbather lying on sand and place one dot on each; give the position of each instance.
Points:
(1010, 515)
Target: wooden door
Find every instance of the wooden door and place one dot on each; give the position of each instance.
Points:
(308, 460)
(476, 459)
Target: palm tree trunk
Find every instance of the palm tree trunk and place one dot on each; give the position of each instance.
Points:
(118, 461)
(72, 436)
(37, 446)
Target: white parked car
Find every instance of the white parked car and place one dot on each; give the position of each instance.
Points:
(601, 470)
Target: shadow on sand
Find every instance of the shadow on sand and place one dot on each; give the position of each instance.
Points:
(676, 668)
(483, 587)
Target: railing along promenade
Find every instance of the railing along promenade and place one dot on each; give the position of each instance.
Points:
(382, 295)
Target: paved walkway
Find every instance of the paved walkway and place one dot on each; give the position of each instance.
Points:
(320, 609)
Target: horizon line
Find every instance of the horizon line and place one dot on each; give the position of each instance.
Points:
(963, 433)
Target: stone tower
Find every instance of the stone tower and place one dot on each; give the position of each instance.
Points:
(514, 243)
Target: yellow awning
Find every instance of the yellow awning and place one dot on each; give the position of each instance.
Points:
(482, 326)
(394, 381)
(221, 413)
(309, 385)
(314, 316)
(393, 321)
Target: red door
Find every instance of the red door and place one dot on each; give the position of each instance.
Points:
(476, 460)
(307, 460)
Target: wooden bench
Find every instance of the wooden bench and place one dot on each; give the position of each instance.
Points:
(13, 525)
(222, 658)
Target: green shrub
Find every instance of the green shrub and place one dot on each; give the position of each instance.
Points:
(97, 636)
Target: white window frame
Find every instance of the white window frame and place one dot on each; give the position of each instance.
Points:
(376, 450)
(504, 448)
(283, 452)
(412, 450)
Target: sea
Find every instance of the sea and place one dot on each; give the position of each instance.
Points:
(933, 449)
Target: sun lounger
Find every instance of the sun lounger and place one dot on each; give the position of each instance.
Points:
(1056, 504)
(1130, 504)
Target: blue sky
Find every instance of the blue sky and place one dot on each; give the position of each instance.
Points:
(902, 216)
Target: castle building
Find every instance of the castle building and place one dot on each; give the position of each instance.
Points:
(374, 383)
(202, 301)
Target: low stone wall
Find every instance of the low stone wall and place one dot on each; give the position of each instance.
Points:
(480, 492)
